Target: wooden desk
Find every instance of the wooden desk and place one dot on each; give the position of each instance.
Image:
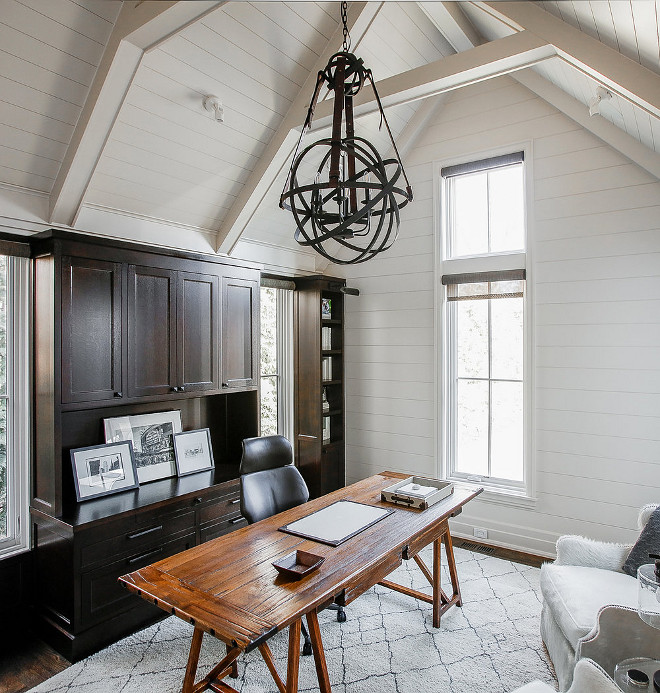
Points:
(229, 589)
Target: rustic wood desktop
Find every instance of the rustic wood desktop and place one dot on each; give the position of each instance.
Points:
(229, 588)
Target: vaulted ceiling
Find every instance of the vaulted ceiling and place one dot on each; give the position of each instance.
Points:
(102, 124)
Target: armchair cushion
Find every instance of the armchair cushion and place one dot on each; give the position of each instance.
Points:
(648, 542)
(574, 594)
(576, 550)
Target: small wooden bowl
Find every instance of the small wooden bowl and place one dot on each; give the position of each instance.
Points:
(297, 564)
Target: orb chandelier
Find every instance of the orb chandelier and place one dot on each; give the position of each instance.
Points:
(347, 209)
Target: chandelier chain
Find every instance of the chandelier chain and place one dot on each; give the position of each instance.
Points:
(344, 20)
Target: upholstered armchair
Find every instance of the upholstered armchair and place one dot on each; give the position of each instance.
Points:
(586, 576)
(589, 678)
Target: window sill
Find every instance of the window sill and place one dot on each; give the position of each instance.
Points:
(12, 550)
(502, 496)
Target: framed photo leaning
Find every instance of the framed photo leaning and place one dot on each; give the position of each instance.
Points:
(193, 451)
(152, 437)
(100, 470)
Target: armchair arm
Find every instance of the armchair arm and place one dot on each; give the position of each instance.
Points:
(645, 513)
(576, 550)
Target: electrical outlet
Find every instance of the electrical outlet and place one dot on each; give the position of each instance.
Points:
(480, 533)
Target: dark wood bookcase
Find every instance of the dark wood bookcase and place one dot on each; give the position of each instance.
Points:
(123, 329)
(320, 459)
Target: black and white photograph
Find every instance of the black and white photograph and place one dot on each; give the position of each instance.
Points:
(152, 436)
(193, 451)
(100, 470)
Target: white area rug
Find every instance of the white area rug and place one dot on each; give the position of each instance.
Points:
(387, 644)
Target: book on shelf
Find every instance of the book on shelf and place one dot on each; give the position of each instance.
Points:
(326, 338)
(326, 368)
(326, 308)
(326, 429)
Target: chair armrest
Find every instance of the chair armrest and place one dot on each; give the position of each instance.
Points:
(576, 550)
(591, 678)
(535, 687)
(645, 513)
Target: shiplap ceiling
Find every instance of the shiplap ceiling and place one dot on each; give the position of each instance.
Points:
(165, 159)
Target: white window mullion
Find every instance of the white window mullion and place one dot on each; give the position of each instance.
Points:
(17, 398)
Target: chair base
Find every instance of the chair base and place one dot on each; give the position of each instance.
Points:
(341, 614)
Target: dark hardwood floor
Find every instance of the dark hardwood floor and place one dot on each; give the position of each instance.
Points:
(26, 661)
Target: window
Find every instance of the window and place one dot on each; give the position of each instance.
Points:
(484, 318)
(14, 403)
(276, 358)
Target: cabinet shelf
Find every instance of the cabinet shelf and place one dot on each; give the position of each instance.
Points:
(332, 412)
(330, 382)
(330, 352)
(331, 321)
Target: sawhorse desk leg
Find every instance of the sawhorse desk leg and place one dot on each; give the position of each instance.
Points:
(439, 599)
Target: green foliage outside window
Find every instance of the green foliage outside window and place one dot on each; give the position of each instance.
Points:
(269, 370)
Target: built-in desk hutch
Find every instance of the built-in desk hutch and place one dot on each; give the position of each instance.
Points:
(122, 329)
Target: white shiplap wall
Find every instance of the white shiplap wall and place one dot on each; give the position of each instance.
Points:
(596, 273)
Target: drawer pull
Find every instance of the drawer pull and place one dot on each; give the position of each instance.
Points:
(141, 557)
(236, 520)
(197, 500)
(144, 532)
(238, 500)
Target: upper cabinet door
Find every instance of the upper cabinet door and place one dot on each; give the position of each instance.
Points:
(198, 314)
(240, 332)
(151, 331)
(91, 330)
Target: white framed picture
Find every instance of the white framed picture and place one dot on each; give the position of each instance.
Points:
(152, 436)
(99, 470)
(193, 451)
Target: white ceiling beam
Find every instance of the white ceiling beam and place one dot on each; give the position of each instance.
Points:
(602, 128)
(138, 29)
(613, 70)
(280, 148)
(450, 21)
(488, 60)
(609, 133)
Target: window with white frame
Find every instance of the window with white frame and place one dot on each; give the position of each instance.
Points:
(483, 271)
(14, 402)
(276, 358)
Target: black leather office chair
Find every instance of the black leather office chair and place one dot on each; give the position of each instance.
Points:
(270, 484)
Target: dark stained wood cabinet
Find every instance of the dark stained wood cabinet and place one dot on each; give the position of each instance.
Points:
(318, 429)
(91, 330)
(198, 308)
(122, 329)
(240, 303)
(151, 344)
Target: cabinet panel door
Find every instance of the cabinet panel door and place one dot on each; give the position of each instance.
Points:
(198, 315)
(151, 331)
(91, 330)
(240, 331)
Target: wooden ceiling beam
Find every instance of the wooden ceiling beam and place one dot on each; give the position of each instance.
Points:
(138, 29)
(610, 68)
(279, 150)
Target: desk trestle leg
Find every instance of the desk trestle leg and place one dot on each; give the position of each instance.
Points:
(440, 601)
(319, 654)
(212, 679)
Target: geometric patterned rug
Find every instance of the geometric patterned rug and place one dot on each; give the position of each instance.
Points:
(386, 645)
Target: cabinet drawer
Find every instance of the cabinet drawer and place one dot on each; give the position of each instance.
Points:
(217, 529)
(103, 596)
(132, 538)
(214, 510)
